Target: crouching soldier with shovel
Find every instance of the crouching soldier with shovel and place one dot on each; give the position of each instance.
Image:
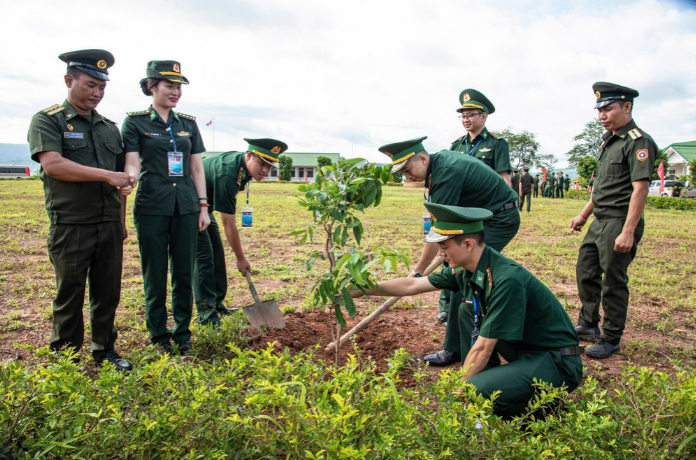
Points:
(225, 176)
(513, 313)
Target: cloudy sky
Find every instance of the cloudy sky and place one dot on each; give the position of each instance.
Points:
(349, 76)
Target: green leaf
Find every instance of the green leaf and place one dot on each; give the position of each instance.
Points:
(312, 193)
(341, 262)
(298, 232)
(348, 303)
(302, 188)
(357, 232)
(337, 235)
(387, 265)
(339, 315)
(355, 273)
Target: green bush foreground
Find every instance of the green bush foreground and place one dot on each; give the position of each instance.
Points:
(270, 404)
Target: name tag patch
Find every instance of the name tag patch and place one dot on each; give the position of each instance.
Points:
(73, 135)
(642, 155)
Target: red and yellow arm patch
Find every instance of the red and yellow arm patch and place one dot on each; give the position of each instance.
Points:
(642, 155)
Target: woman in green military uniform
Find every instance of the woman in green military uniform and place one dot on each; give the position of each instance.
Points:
(163, 149)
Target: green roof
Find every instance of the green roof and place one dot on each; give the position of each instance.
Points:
(298, 158)
(686, 150)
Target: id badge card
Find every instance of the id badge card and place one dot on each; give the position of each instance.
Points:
(175, 163)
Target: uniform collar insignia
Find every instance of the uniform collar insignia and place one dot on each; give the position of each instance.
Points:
(153, 115)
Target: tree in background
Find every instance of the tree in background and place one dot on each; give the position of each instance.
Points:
(285, 167)
(586, 166)
(587, 143)
(692, 172)
(661, 155)
(524, 147)
(323, 161)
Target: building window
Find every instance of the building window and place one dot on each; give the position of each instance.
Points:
(274, 172)
(310, 172)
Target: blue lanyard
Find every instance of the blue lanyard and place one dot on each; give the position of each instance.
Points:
(248, 186)
(475, 332)
(169, 128)
(426, 197)
(466, 143)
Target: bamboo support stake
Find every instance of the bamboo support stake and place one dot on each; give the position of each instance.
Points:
(375, 314)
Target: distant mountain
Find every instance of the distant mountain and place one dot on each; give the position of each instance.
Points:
(16, 154)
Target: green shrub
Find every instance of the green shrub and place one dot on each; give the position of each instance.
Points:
(578, 195)
(668, 202)
(270, 404)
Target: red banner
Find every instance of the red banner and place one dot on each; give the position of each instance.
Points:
(661, 175)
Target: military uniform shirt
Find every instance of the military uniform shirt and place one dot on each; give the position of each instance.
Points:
(158, 193)
(625, 157)
(460, 180)
(515, 306)
(492, 151)
(90, 141)
(225, 176)
(527, 181)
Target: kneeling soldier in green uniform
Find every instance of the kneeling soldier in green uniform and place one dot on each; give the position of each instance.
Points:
(82, 160)
(513, 313)
(225, 176)
(458, 180)
(626, 160)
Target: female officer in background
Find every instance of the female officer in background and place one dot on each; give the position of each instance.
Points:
(163, 149)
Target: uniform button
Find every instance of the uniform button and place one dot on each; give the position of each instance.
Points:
(174, 185)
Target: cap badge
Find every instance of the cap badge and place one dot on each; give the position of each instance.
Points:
(598, 94)
(275, 149)
(175, 67)
(70, 127)
(466, 97)
(101, 64)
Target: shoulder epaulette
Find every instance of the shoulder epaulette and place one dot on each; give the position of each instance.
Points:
(138, 112)
(188, 117)
(54, 109)
(635, 134)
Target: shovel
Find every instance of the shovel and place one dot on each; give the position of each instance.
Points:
(262, 313)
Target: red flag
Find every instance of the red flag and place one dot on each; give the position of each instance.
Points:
(306, 178)
(543, 170)
(661, 175)
(209, 123)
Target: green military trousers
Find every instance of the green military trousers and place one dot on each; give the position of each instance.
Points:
(528, 197)
(515, 380)
(602, 277)
(79, 253)
(165, 239)
(210, 274)
(499, 231)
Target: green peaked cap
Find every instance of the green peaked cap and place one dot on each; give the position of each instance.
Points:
(450, 221)
(401, 152)
(607, 93)
(472, 99)
(93, 62)
(267, 149)
(165, 70)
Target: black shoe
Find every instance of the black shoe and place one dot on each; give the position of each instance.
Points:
(589, 333)
(442, 358)
(164, 349)
(226, 311)
(442, 317)
(602, 349)
(184, 347)
(114, 358)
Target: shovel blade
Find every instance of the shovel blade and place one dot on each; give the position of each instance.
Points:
(265, 314)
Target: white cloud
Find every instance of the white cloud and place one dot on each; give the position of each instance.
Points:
(351, 76)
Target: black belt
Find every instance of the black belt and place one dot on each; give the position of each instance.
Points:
(575, 350)
(506, 206)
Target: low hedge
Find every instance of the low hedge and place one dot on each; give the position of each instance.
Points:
(271, 404)
(668, 202)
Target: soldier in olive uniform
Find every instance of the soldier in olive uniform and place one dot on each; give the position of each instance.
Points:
(626, 160)
(225, 176)
(551, 186)
(526, 183)
(536, 186)
(560, 183)
(163, 148)
(514, 315)
(515, 180)
(479, 142)
(455, 179)
(567, 183)
(81, 154)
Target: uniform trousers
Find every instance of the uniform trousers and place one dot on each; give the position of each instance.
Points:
(210, 274)
(79, 253)
(602, 277)
(526, 194)
(515, 380)
(164, 239)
